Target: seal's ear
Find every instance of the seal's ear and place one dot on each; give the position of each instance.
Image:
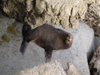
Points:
(23, 47)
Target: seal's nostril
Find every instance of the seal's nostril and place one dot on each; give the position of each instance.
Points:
(68, 40)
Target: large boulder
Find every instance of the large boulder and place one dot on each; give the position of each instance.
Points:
(11, 60)
(50, 68)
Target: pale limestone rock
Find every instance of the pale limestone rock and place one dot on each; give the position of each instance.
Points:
(40, 6)
(64, 12)
(97, 1)
(72, 70)
(89, 1)
(50, 68)
(55, 12)
(29, 5)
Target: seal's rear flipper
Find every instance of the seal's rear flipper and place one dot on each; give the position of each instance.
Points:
(23, 47)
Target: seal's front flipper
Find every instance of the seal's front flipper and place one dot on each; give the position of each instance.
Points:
(23, 47)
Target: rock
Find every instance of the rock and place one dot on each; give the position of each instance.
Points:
(72, 70)
(51, 68)
(93, 17)
(11, 60)
(55, 12)
(29, 5)
(97, 1)
(97, 42)
(90, 1)
(15, 8)
(95, 63)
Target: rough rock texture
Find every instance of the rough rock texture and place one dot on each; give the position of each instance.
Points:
(56, 12)
(97, 42)
(14, 8)
(95, 63)
(11, 60)
(72, 70)
(92, 17)
(51, 68)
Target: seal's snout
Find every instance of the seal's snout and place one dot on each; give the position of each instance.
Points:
(69, 39)
(70, 36)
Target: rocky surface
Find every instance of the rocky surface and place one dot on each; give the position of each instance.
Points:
(56, 12)
(51, 68)
(11, 60)
(95, 63)
(92, 17)
(72, 70)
